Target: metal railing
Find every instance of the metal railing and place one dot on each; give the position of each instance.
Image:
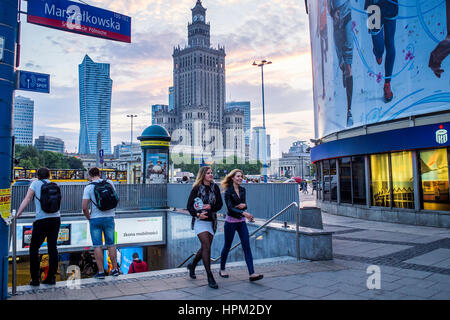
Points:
(132, 197)
(261, 227)
(263, 199)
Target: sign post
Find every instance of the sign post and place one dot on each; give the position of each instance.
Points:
(8, 38)
(80, 18)
(32, 81)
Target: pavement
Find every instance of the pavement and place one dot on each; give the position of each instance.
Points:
(413, 264)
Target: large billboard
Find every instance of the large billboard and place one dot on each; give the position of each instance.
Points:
(378, 60)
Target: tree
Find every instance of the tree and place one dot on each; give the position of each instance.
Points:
(31, 158)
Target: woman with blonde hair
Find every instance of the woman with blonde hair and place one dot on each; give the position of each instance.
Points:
(203, 203)
(235, 221)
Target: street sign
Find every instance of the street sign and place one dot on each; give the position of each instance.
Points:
(32, 81)
(80, 18)
(101, 154)
(2, 47)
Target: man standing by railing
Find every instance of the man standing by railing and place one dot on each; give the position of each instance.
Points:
(101, 218)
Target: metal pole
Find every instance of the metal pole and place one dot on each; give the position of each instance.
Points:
(264, 126)
(14, 254)
(297, 234)
(8, 31)
(131, 147)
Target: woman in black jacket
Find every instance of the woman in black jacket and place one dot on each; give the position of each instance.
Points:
(203, 203)
(235, 221)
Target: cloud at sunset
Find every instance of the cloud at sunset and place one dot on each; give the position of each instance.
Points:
(142, 71)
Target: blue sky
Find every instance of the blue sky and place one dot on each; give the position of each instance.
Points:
(276, 30)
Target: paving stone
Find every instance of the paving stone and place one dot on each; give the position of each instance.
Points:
(168, 295)
(249, 287)
(439, 278)
(347, 288)
(274, 294)
(234, 296)
(339, 295)
(205, 291)
(80, 294)
(415, 282)
(132, 297)
(443, 295)
(440, 286)
(418, 292)
(283, 284)
(413, 274)
(313, 292)
(108, 291)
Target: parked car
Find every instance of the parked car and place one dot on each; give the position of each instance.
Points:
(290, 181)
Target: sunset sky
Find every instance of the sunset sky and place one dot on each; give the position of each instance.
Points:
(250, 30)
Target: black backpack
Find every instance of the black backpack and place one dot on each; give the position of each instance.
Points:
(50, 197)
(105, 196)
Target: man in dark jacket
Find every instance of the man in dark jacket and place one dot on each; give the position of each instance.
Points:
(137, 265)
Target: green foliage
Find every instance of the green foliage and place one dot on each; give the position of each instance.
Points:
(31, 158)
(222, 169)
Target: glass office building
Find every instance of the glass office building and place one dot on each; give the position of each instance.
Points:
(382, 113)
(95, 106)
(23, 120)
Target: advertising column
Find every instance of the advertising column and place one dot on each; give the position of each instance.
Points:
(8, 34)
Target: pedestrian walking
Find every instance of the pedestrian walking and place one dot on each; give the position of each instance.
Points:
(104, 200)
(235, 222)
(137, 265)
(47, 200)
(203, 203)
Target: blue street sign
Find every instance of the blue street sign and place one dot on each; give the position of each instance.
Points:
(101, 153)
(79, 18)
(32, 81)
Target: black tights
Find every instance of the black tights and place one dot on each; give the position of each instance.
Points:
(204, 252)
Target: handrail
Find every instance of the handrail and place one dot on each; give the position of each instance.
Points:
(265, 224)
(259, 228)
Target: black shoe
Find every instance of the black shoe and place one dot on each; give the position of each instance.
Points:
(34, 283)
(191, 269)
(211, 282)
(50, 281)
(223, 275)
(258, 277)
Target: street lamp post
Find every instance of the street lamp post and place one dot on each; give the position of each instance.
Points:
(131, 145)
(262, 64)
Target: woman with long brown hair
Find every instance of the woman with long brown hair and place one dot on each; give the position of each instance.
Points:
(203, 203)
(235, 221)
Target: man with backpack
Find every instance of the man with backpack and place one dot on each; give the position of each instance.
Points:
(104, 200)
(47, 200)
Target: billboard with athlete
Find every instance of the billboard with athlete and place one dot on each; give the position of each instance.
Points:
(367, 72)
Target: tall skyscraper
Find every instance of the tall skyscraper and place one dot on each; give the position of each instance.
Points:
(155, 109)
(23, 120)
(245, 107)
(95, 106)
(258, 144)
(199, 92)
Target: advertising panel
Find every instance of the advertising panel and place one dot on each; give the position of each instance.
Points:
(378, 60)
(139, 230)
(80, 18)
(124, 258)
(157, 167)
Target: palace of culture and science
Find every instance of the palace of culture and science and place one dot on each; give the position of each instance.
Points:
(199, 96)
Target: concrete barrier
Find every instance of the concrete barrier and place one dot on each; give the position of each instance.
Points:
(315, 244)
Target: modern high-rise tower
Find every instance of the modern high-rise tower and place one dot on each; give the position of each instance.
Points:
(95, 106)
(23, 120)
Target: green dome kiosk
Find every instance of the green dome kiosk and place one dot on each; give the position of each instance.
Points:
(155, 145)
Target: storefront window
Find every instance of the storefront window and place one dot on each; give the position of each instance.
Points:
(319, 180)
(326, 180)
(402, 180)
(380, 182)
(434, 177)
(345, 180)
(333, 180)
(359, 180)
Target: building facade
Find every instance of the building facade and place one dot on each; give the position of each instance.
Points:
(199, 93)
(246, 108)
(382, 154)
(47, 143)
(95, 89)
(23, 120)
(296, 162)
(258, 143)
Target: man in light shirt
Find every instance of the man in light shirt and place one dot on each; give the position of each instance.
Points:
(100, 222)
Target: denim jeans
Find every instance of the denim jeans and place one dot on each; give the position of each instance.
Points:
(384, 38)
(229, 230)
(105, 226)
